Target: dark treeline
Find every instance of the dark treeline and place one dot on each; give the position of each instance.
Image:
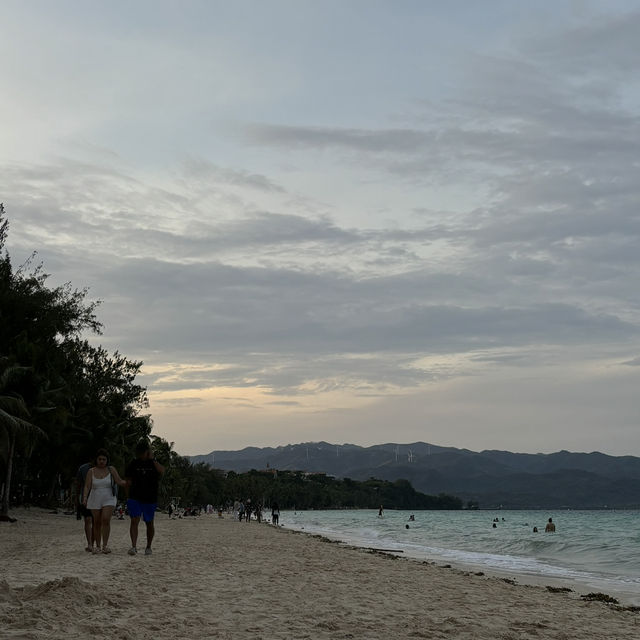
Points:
(293, 489)
(62, 397)
(198, 485)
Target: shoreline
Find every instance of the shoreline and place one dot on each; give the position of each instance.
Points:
(218, 578)
(575, 586)
(527, 570)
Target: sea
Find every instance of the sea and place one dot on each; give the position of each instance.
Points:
(591, 551)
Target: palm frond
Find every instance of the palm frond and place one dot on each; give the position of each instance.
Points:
(19, 425)
(7, 421)
(14, 405)
(10, 373)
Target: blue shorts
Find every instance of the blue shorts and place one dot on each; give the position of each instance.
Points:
(145, 509)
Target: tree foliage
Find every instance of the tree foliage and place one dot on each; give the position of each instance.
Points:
(71, 396)
(198, 484)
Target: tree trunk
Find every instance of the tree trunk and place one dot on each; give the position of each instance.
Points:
(4, 508)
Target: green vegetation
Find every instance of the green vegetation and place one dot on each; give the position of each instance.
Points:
(62, 398)
(318, 491)
(198, 484)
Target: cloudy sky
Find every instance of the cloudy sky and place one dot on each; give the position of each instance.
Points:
(352, 220)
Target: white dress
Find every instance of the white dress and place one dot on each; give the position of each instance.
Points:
(101, 494)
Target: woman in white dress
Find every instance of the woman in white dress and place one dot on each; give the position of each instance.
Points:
(100, 497)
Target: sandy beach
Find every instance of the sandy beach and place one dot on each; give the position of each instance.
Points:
(217, 578)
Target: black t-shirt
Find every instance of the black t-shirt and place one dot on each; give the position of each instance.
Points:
(144, 480)
(81, 478)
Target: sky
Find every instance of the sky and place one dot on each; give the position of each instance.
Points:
(356, 221)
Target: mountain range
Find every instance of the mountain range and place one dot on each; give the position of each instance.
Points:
(487, 479)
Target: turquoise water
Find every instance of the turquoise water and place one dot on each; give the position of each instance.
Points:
(598, 550)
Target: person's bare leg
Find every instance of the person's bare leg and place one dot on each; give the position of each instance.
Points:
(97, 527)
(151, 530)
(107, 513)
(88, 531)
(133, 531)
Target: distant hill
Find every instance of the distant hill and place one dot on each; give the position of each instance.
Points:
(493, 479)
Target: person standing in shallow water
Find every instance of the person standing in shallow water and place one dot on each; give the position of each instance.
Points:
(550, 528)
(143, 476)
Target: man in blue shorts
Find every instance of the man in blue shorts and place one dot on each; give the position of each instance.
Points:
(143, 476)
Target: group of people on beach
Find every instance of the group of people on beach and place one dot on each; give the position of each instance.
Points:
(97, 484)
(245, 510)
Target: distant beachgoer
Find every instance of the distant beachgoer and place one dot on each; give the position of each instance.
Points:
(412, 518)
(406, 526)
(551, 527)
(275, 513)
(380, 512)
(535, 529)
(240, 511)
(81, 511)
(495, 526)
(143, 475)
(100, 497)
(247, 510)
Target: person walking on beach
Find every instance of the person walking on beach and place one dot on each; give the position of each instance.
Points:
(100, 497)
(82, 512)
(275, 513)
(143, 476)
(551, 527)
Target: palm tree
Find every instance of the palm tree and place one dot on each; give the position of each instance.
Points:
(15, 427)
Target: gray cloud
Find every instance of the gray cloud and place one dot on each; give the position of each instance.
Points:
(178, 402)
(291, 306)
(605, 44)
(369, 141)
(198, 169)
